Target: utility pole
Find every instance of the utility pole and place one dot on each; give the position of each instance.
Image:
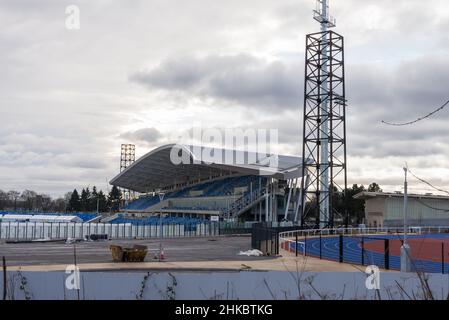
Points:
(405, 204)
(406, 263)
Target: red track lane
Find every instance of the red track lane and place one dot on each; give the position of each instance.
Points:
(421, 248)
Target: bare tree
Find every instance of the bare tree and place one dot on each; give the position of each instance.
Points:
(29, 197)
(59, 205)
(3, 199)
(13, 196)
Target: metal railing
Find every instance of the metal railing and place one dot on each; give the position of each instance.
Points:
(243, 202)
(371, 246)
(362, 231)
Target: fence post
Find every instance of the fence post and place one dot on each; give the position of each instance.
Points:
(5, 284)
(321, 253)
(266, 240)
(341, 248)
(305, 245)
(387, 254)
(296, 244)
(363, 251)
(277, 242)
(442, 257)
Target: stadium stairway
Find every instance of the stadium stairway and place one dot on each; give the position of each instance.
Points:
(246, 202)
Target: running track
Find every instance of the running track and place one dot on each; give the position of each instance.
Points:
(426, 250)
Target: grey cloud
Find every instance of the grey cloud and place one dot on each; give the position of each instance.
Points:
(240, 79)
(407, 88)
(65, 95)
(148, 135)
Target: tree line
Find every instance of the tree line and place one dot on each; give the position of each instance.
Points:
(84, 201)
(355, 208)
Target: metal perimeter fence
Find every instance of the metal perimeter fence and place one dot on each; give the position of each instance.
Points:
(63, 230)
(12, 230)
(379, 246)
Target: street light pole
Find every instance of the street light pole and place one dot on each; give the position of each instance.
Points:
(405, 205)
(406, 263)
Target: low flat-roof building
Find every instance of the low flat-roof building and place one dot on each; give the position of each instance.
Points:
(387, 209)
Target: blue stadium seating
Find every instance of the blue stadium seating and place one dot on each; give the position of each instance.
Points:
(157, 220)
(216, 188)
(143, 203)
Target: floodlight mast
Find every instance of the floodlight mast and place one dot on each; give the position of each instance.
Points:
(324, 125)
(321, 14)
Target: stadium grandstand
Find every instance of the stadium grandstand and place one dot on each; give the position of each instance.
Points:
(225, 184)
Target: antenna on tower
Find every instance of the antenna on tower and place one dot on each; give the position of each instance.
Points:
(322, 15)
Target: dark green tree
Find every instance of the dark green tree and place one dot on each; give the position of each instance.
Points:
(85, 199)
(114, 198)
(103, 202)
(74, 202)
(93, 199)
(356, 207)
(374, 187)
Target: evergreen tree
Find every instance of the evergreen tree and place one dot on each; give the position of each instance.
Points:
(374, 187)
(93, 200)
(114, 198)
(102, 202)
(356, 207)
(74, 202)
(85, 199)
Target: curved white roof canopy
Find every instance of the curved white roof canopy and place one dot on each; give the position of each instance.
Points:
(156, 170)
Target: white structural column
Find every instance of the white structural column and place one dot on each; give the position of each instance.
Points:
(300, 194)
(267, 193)
(323, 17)
(324, 132)
(291, 187)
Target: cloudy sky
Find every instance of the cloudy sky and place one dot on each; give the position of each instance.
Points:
(144, 71)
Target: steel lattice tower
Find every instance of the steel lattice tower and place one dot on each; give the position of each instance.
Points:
(324, 124)
(127, 158)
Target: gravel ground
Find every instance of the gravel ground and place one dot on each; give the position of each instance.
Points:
(178, 249)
